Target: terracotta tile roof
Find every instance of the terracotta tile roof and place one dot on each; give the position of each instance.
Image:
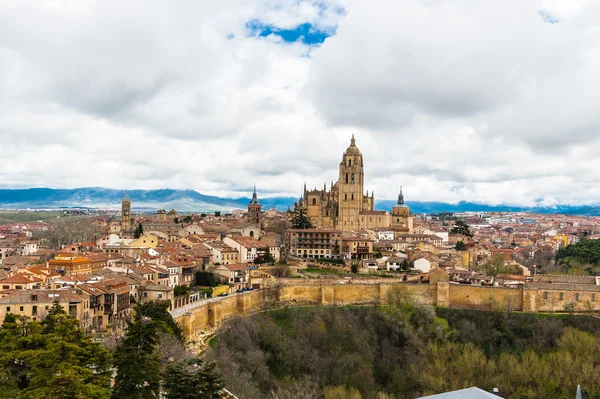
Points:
(20, 279)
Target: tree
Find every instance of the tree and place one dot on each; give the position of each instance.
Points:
(354, 267)
(51, 359)
(191, 379)
(139, 231)
(341, 392)
(405, 265)
(69, 230)
(299, 219)
(218, 213)
(137, 359)
(461, 228)
(266, 258)
(497, 265)
(460, 246)
(181, 290)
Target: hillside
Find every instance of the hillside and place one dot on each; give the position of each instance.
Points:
(406, 350)
(106, 198)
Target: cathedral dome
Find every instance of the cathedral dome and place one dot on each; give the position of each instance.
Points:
(353, 149)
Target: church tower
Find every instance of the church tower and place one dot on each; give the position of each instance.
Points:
(401, 215)
(126, 212)
(254, 210)
(350, 188)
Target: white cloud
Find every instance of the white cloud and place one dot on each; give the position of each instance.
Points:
(454, 100)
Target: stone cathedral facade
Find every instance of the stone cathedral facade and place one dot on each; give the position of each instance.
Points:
(346, 206)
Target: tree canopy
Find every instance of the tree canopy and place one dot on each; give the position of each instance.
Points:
(461, 228)
(460, 246)
(300, 220)
(139, 231)
(51, 359)
(584, 255)
(407, 350)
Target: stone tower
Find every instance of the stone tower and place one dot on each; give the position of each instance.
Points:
(254, 210)
(350, 186)
(126, 212)
(401, 215)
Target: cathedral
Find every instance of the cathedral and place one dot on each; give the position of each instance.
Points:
(346, 206)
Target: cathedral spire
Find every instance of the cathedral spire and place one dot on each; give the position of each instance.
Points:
(352, 142)
(400, 197)
(254, 196)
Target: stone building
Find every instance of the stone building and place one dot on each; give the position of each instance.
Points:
(126, 213)
(346, 206)
(254, 210)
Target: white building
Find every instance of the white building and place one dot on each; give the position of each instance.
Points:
(423, 265)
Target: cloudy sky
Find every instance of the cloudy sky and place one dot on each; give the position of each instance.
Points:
(455, 100)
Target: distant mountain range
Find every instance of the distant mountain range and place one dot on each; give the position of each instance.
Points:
(193, 201)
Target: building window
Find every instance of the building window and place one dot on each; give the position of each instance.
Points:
(560, 296)
(20, 308)
(345, 197)
(349, 162)
(593, 297)
(159, 296)
(346, 178)
(352, 195)
(34, 310)
(577, 297)
(8, 309)
(545, 295)
(314, 201)
(352, 178)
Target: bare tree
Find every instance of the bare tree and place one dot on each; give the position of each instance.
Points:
(69, 230)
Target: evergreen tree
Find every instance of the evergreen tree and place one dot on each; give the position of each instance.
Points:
(460, 246)
(52, 359)
(139, 231)
(137, 358)
(191, 379)
(299, 220)
(461, 228)
(138, 362)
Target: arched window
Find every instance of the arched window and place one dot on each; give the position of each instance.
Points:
(314, 201)
(352, 196)
(346, 178)
(349, 162)
(345, 197)
(251, 233)
(352, 178)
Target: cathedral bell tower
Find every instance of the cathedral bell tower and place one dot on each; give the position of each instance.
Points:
(351, 185)
(126, 212)
(254, 210)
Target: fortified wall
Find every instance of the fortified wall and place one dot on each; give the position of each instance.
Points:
(532, 298)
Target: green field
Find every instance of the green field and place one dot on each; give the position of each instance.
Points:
(9, 216)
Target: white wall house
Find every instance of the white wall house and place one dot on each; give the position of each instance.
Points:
(423, 265)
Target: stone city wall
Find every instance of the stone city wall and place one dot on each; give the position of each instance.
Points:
(213, 312)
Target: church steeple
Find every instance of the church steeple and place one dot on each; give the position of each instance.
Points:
(254, 197)
(400, 197)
